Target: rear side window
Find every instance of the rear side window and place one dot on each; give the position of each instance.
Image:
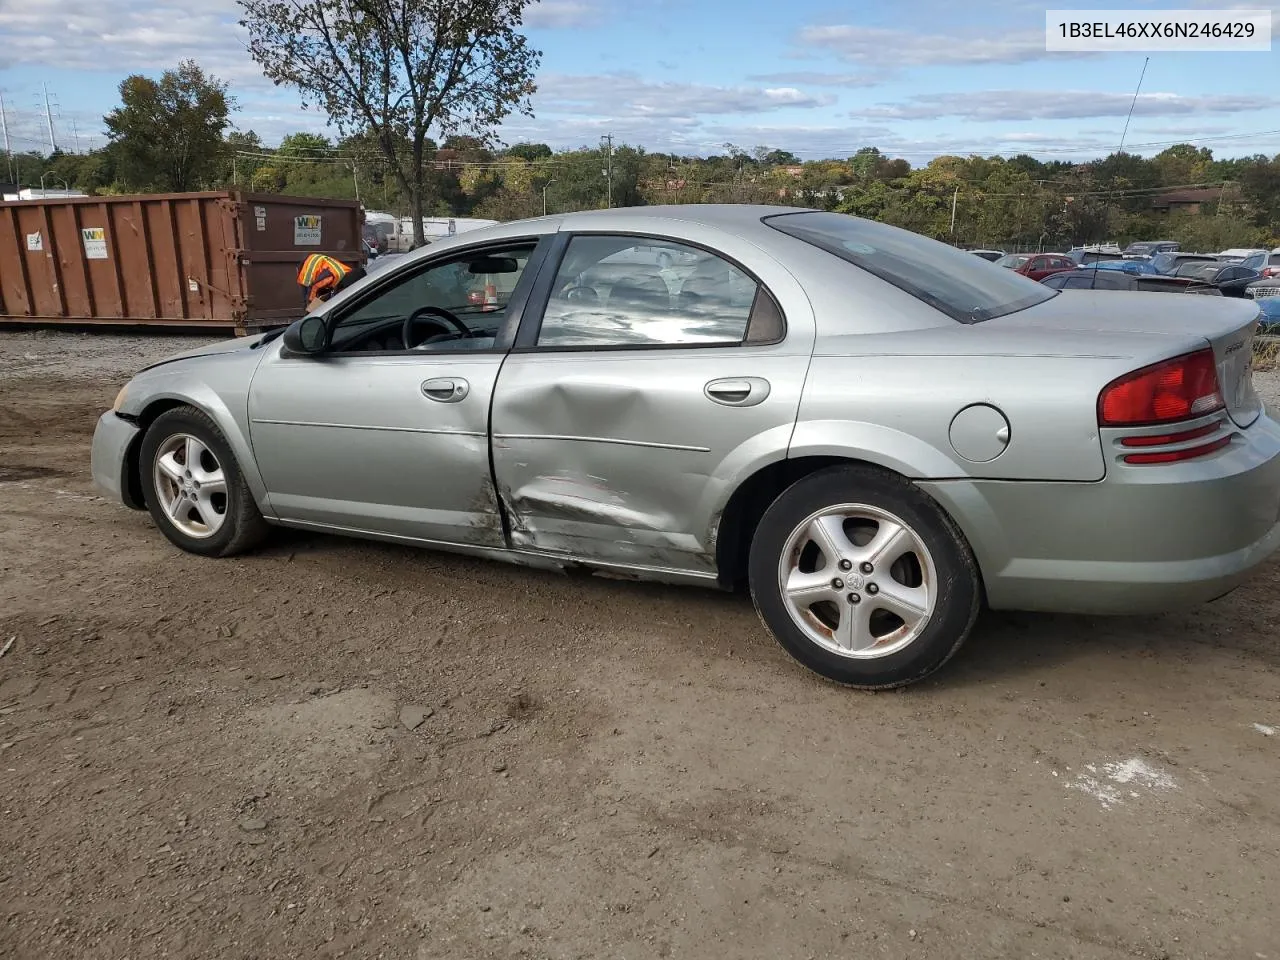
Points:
(1077, 283)
(620, 291)
(964, 287)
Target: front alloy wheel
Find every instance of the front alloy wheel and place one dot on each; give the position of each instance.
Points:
(191, 486)
(195, 490)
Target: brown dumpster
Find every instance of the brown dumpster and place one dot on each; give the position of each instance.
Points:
(226, 259)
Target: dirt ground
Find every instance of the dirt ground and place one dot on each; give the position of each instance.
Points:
(335, 748)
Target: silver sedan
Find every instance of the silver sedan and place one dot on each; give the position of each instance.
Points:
(874, 432)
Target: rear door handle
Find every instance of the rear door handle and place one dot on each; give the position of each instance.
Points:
(445, 389)
(737, 391)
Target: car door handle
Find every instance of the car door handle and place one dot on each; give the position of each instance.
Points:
(737, 391)
(445, 389)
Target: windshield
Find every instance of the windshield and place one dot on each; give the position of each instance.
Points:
(1012, 261)
(964, 287)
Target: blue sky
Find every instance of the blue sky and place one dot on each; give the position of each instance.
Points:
(916, 78)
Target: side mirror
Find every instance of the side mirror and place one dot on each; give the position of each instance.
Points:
(308, 335)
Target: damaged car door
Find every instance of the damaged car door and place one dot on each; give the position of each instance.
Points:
(641, 389)
(386, 430)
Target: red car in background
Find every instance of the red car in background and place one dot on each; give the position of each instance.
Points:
(1037, 266)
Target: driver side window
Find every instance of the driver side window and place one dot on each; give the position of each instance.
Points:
(459, 304)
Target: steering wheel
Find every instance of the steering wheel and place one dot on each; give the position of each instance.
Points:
(406, 331)
(580, 291)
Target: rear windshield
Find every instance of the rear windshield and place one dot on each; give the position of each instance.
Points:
(964, 287)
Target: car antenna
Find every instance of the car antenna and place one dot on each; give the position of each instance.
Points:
(1119, 150)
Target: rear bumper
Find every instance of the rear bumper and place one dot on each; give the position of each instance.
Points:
(1145, 540)
(113, 439)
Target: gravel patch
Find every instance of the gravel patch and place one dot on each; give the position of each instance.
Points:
(89, 354)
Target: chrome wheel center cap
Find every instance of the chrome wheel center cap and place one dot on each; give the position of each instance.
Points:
(853, 581)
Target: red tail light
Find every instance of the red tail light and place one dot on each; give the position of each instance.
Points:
(1166, 392)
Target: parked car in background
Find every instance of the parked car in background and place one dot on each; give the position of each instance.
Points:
(700, 425)
(1087, 278)
(1266, 292)
(1083, 255)
(1013, 261)
(1252, 257)
(1037, 266)
(1230, 278)
(1149, 248)
(1107, 249)
(1168, 262)
(1272, 267)
(991, 255)
(1125, 266)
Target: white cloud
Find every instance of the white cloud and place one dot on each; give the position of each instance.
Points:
(816, 78)
(621, 96)
(989, 105)
(889, 48)
(562, 14)
(126, 36)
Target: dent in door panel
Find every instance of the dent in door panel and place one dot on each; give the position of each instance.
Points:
(574, 513)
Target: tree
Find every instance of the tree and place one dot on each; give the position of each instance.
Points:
(399, 69)
(529, 151)
(167, 134)
(241, 157)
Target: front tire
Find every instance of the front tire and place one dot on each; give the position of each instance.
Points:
(863, 578)
(195, 491)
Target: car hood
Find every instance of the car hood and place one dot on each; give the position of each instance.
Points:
(234, 345)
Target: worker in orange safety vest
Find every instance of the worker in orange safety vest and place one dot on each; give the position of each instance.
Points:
(321, 276)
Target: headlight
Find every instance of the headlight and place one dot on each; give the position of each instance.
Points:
(119, 401)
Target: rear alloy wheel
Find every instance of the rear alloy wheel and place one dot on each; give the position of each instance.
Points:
(863, 578)
(194, 489)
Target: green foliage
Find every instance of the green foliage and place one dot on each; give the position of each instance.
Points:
(395, 72)
(167, 135)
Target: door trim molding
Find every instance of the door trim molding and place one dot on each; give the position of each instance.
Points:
(362, 426)
(616, 440)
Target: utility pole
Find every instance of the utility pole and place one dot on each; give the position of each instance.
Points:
(75, 134)
(8, 151)
(48, 116)
(608, 170)
(954, 197)
(544, 195)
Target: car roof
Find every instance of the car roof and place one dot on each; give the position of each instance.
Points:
(730, 217)
(710, 214)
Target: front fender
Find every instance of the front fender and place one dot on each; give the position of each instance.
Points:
(225, 403)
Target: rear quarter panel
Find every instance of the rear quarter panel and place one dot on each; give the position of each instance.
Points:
(891, 399)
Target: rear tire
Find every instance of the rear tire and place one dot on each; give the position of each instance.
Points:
(863, 578)
(193, 486)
